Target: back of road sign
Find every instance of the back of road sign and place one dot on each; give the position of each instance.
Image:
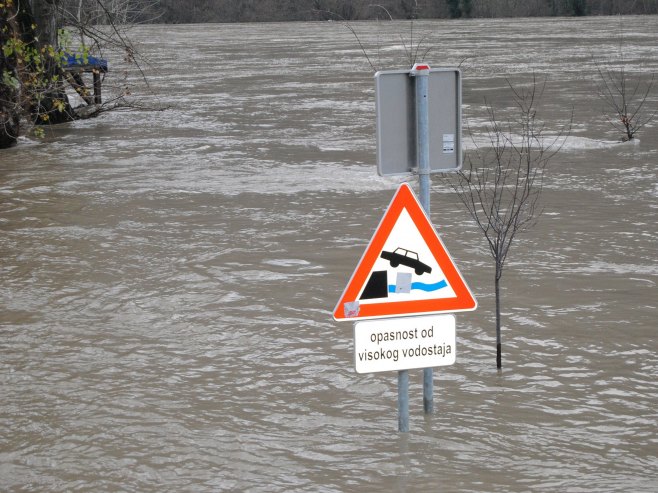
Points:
(396, 121)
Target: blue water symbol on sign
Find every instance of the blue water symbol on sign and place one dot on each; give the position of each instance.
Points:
(422, 286)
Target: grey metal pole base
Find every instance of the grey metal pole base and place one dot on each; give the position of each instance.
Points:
(403, 401)
(428, 391)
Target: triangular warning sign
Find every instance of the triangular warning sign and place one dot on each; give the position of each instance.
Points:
(405, 270)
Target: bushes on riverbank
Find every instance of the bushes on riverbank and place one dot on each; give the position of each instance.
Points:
(190, 11)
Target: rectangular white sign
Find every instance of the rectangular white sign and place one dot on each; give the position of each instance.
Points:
(404, 343)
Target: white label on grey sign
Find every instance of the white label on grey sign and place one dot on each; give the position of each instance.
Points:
(448, 143)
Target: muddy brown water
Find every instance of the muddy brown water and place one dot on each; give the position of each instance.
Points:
(168, 276)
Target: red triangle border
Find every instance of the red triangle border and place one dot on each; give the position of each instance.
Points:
(464, 300)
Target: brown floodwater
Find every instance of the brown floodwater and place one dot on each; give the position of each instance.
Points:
(168, 277)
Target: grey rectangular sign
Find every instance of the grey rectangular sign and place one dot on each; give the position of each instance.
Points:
(396, 121)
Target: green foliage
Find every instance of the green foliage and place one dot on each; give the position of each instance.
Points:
(65, 45)
(30, 73)
(64, 39)
(10, 81)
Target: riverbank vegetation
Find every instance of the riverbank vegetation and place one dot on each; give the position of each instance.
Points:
(45, 48)
(190, 11)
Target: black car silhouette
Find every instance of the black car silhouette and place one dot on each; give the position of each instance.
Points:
(402, 256)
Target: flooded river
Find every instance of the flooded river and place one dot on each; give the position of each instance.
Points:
(168, 276)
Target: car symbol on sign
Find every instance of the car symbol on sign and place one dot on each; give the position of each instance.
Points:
(402, 256)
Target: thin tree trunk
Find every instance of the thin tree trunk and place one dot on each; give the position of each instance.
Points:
(499, 352)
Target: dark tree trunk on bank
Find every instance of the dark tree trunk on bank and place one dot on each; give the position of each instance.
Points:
(45, 17)
(9, 117)
(9, 96)
(44, 108)
(31, 79)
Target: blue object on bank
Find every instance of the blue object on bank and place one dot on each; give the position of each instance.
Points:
(72, 60)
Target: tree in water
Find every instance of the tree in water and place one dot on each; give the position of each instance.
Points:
(626, 95)
(501, 182)
(626, 99)
(32, 63)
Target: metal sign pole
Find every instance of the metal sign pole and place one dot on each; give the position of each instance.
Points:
(403, 400)
(422, 72)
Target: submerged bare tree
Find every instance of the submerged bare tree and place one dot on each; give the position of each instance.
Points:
(626, 98)
(502, 180)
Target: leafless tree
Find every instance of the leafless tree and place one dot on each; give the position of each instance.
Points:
(502, 180)
(627, 99)
(627, 96)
